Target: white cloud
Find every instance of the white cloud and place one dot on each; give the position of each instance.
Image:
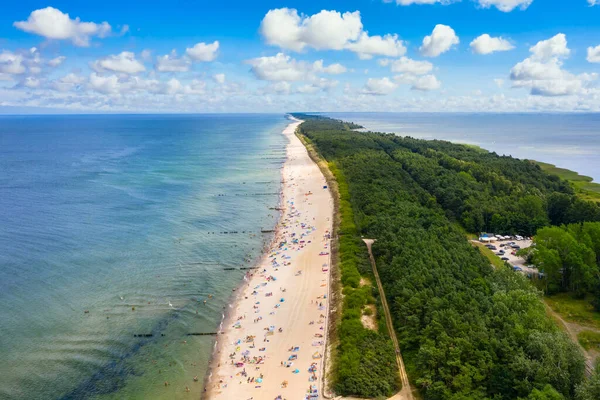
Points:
(593, 54)
(282, 67)
(124, 62)
(379, 87)
(594, 2)
(554, 47)
(55, 62)
(367, 46)
(279, 68)
(557, 87)
(11, 63)
(326, 30)
(203, 52)
(219, 78)
(542, 72)
(32, 82)
(485, 44)
(54, 24)
(104, 84)
(440, 41)
(171, 63)
(67, 83)
(505, 5)
(499, 82)
(333, 69)
(197, 87)
(278, 88)
(426, 83)
(530, 69)
(325, 84)
(422, 83)
(308, 89)
(172, 86)
(406, 65)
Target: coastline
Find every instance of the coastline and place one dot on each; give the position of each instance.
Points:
(228, 314)
(284, 311)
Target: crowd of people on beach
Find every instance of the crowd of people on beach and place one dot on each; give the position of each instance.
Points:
(247, 354)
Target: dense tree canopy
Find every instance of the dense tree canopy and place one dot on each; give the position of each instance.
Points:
(467, 331)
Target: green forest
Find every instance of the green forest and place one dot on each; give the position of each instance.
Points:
(467, 330)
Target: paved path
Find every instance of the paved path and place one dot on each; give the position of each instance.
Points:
(405, 393)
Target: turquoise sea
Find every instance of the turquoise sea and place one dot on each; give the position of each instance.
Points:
(112, 230)
(568, 140)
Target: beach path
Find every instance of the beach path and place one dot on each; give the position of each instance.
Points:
(273, 341)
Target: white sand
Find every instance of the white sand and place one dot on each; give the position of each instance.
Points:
(302, 315)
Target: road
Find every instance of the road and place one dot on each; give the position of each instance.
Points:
(406, 392)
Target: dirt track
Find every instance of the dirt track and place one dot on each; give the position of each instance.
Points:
(406, 392)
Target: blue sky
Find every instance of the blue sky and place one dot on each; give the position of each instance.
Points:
(273, 56)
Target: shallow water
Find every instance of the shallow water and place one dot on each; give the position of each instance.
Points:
(120, 216)
(570, 141)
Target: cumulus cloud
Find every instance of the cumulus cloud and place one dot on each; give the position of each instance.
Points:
(124, 62)
(542, 72)
(279, 68)
(593, 54)
(426, 83)
(104, 84)
(499, 82)
(282, 67)
(67, 83)
(329, 30)
(485, 44)
(55, 62)
(203, 52)
(505, 5)
(11, 63)
(368, 46)
(171, 63)
(326, 30)
(406, 65)
(379, 87)
(52, 23)
(278, 88)
(219, 78)
(440, 41)
(546, 50)
(422, 83)
(308, 89)
(32, 82)
(334, 69)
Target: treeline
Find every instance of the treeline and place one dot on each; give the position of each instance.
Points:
(364, 358)
(481, 190)
(569, 257)
(466, 331)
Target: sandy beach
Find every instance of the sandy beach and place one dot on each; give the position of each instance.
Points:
(272, 344)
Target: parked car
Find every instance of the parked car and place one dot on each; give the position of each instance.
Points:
(504, 258)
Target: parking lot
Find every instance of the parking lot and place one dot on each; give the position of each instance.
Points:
(514, 260)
